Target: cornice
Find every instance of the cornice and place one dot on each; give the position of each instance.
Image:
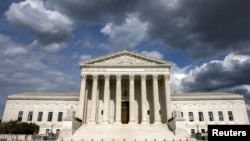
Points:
(205, 96)
(174, 97)
(45, 96)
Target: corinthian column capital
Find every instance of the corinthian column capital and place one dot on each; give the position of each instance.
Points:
(84, 77)
(166, 76)
(95, 76)
(143, 77)
(118, 77)
(106, 77)
(155, 77)
(131, 76)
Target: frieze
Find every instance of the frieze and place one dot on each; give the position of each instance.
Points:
(107, 70)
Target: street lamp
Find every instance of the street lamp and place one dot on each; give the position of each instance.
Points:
(198, 134)
(197, 128)
(51, 135)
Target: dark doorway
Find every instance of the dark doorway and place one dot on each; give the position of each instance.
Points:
(125, 112)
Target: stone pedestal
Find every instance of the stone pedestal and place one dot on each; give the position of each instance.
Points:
(67, 122)
(180, 127)
(67, 128)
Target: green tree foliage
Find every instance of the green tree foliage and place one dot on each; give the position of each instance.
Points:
(17, 127)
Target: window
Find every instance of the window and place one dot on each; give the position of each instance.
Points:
(57, 131)
(30, 115)
(191, 116)
(220, 116)
(47, 131)
(201, 118)
(20, 116)
(210, 116)
(230, 116)
(203, 131)
(50, 115)
(193, 133)
(40, 116)
(181, 114)
(60, 115)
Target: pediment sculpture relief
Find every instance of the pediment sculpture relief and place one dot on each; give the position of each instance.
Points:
(125, 59)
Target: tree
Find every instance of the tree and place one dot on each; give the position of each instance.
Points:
(17, 127)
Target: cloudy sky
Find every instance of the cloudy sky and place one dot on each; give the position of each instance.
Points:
(42, 42)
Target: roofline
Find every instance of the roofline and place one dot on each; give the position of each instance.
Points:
(206, 96)
(45, 96)
(174, 97)
(83, 63)
(124, 65)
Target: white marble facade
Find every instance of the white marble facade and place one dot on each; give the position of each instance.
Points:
(127, 88)
(43, 103)
(124, 88)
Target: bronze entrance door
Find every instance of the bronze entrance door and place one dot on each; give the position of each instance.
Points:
(125, 112)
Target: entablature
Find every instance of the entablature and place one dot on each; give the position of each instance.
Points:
(135, 71)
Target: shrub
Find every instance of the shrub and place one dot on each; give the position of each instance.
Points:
(17, 127)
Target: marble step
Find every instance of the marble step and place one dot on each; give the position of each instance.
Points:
(121, 132)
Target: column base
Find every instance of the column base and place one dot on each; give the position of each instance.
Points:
(91, 122)
(105, 122)
(144, 122)
(131, 122)
(157, 122)
(117, 123)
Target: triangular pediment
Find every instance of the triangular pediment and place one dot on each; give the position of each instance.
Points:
(125, 58)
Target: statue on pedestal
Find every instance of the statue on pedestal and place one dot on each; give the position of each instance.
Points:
(70, 114)
(177, 113)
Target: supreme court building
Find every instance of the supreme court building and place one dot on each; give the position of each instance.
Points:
(125, 95)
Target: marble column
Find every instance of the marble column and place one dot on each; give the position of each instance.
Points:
(94, 100)
(168, 97)
(106, 99)
(143, 99)
(118, 100)
(131, 99)
(82, 100)
(156, 100)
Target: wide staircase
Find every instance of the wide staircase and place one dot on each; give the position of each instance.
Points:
(122, 132)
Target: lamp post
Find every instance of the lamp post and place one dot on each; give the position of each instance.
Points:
(198, 134)
(51, 135)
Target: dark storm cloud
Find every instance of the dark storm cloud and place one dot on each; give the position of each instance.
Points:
(225, 21)
(203, 28)
(95, 11)
(232, 73)
(244, 92)
(229, 75)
